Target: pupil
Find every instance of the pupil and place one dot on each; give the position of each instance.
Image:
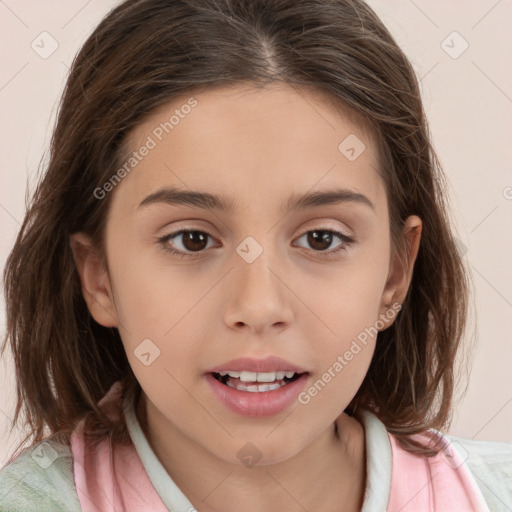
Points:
(314, 239)
(190, 240)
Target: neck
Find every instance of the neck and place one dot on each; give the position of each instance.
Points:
(329, 471)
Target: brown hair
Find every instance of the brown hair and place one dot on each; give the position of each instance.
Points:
(143, 54)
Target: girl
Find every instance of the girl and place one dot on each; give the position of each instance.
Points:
(236, 286)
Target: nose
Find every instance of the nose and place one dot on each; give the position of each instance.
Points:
(259, 297)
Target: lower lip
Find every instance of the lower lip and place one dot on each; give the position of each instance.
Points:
(258, 404)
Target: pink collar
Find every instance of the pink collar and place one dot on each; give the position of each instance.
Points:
(111, 478)
(442, 483)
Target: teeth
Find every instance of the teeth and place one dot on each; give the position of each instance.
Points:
(245, 376)
(268, 376)
(256, 389)
(248, 376)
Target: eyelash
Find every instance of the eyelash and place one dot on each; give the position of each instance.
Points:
(347, 241)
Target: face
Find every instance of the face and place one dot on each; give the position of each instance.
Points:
(308, 284)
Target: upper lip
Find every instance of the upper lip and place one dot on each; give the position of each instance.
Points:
(268, 364)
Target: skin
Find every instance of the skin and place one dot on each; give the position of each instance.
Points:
(256, 146)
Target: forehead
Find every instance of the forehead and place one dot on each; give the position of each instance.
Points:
(253, 142)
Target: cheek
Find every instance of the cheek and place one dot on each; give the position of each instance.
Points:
(149, 293)
(348, 302)
(163, 304)
(348, 296)
(345, 338)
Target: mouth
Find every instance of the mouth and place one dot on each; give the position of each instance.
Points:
(256, 382)
(257, 395)
(255, 387)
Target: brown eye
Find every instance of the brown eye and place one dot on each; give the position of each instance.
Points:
(187, 242)
(194, 240)
(320, 240)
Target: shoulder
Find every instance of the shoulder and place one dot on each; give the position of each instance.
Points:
(39, 479)
(490, 463)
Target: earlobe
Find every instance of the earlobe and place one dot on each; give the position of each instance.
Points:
(402, 265)
(94, 280)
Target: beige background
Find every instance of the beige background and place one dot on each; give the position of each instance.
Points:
(468, 100)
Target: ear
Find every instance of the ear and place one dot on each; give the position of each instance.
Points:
(401, 267)
(95, 280)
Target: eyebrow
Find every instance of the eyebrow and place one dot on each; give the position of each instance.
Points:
(208, 201)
